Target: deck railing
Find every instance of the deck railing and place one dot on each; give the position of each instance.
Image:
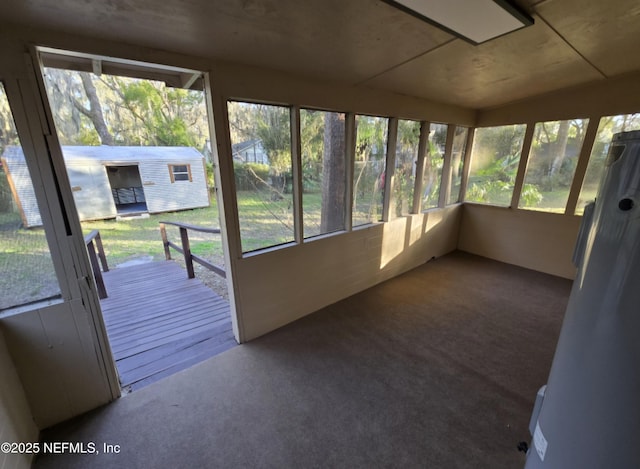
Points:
(185, 250)
(93, 241)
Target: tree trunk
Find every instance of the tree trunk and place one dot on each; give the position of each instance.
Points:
(333, 173)
(95, 109)
(560, 147)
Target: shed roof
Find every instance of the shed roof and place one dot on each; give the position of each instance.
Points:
(116, 154)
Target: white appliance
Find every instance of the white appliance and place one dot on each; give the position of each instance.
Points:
(588, 417)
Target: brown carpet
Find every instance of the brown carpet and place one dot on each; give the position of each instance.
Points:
(437, 368)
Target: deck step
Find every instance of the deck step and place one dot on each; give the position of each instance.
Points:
(160, 322)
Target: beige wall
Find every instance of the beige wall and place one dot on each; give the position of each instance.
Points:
(543, 241)
(615, 96)
(535, 240)
(55, 357)
(281, 286)
(16, 422)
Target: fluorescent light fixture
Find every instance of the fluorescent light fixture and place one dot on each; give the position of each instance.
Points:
(476, 21)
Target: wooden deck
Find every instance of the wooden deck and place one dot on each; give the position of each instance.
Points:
(160, 322)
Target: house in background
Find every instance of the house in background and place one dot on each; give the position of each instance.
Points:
(250, 151)
(110, 181)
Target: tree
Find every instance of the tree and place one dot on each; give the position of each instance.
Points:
(94, 111)
(559, 147)
(333, 173)
(116, 110)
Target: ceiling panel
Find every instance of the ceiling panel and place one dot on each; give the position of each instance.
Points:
(367, 41)
(335, 39)
(528, 62)
(607, 33)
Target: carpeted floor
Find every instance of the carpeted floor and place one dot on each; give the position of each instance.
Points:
(437, 368)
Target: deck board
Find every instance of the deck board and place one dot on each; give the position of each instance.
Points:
(160, 322)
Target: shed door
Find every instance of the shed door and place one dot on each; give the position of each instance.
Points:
(126, 189)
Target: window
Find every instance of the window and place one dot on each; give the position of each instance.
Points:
(25, 261)
(369, 169)
(555, 149)
(607, 127)
(457, 163)
(495, 157)
(433, 162)
(180, 172)
(264, 190)
(322, 143)
(405, 170)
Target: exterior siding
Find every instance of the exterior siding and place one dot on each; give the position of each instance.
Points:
(165, 196)
(92, 190)
(16, 168)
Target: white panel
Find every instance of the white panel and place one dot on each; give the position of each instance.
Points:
(16, 422)
(478, 20)
(56, 361)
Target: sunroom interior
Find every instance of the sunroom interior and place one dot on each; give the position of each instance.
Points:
(564, 84)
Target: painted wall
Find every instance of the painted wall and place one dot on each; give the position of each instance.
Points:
(535, 240)
(604, 98)
(283, 285)
(55, 357)
(16, 422)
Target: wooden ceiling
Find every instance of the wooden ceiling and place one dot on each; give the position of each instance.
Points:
(368, 42)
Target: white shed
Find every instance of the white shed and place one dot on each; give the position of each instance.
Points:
(108, 181)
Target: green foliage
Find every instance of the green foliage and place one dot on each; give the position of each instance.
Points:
(489, 191)
(530, 195)
(273, 128)
(406, 154)
(312, 148)
(210, 175)
(371, 138)
(157, 109)
(502, 169)
(250, 176)
(88, 136)
(6, 199)
(136, 111)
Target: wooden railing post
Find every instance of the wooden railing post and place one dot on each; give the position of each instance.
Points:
(186, 250)
(103, 258)
(165, 241)
(95, 267)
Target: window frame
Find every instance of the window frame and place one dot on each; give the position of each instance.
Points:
(173, 173)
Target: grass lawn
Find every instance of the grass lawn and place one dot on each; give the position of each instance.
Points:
(128, 239)
(25, 263)
(28, 273)
(552, 201)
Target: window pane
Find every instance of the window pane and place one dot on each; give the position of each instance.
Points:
(265, 199)
(369, 169)
(607, 127)
(433, 161)
(457, 163)
(495, 157)
(405, 170)
(555, 149)
(322, 137)
(181, 176)
(179, 169)
(25, 261)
